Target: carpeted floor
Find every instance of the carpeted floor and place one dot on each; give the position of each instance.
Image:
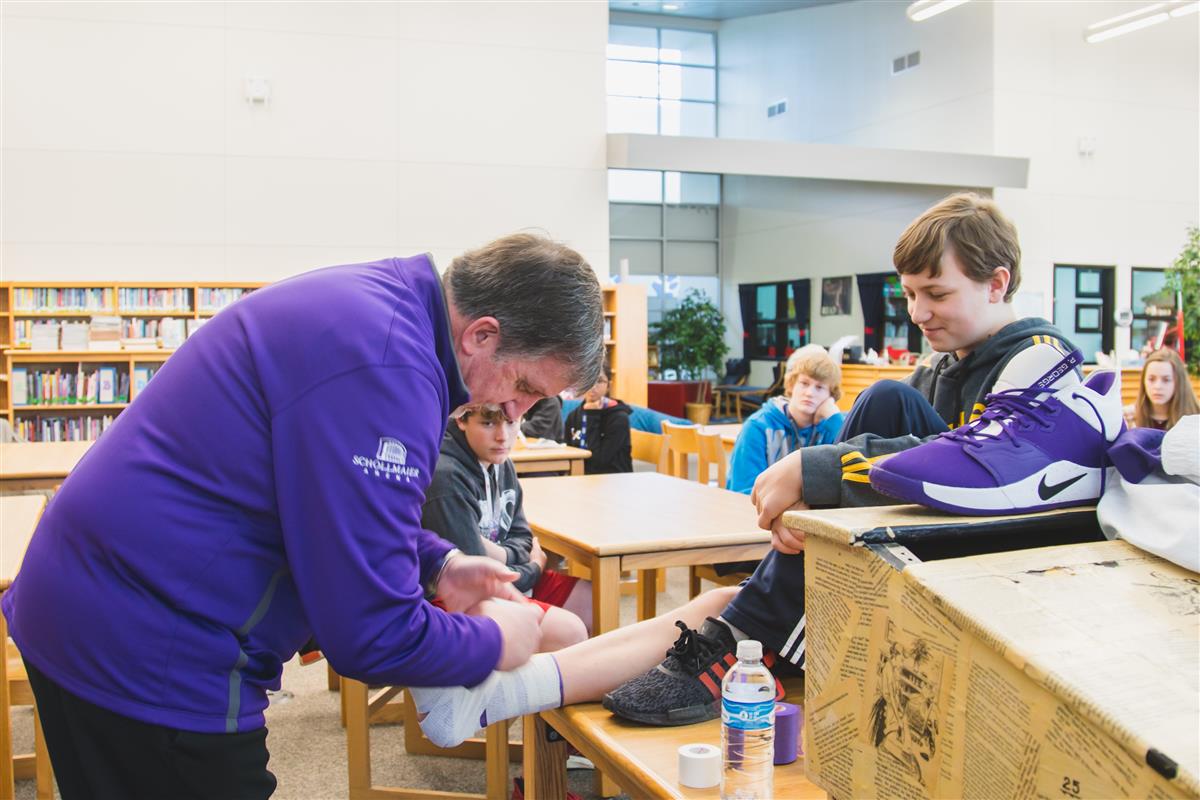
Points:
(308, 743)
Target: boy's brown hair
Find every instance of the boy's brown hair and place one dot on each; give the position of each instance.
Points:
(486, 412)
(972, 226)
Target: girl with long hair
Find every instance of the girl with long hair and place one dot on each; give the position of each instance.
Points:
(1164, 392)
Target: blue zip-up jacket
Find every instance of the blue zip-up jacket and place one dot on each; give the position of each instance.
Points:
(264, 488)
(770, 434)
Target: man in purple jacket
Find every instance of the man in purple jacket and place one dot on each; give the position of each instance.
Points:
(266, 488)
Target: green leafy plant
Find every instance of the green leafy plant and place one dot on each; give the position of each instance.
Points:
(1183, 276)
(690, 338)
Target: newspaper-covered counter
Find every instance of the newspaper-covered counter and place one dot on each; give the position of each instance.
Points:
(1061, 671)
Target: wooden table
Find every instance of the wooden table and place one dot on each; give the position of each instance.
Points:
(38, 465)
(639, 521)
(560, 458)
(640, 758)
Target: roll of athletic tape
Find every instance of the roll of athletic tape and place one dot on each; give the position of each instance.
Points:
(699, 765)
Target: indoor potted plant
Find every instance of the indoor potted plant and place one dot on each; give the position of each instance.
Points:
(691, 340)
(1183, 278)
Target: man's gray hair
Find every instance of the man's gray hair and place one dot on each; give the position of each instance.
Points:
(545, 297)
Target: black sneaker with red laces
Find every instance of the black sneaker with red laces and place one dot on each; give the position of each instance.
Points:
(686, 687)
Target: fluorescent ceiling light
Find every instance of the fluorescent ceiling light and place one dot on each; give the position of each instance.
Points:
(1128, 27)
(924, 9)
(670, 7)
(1104, 23)
(1183, 11)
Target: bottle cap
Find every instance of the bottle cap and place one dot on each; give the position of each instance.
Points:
(749, 650)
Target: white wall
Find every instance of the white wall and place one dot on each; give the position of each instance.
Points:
(1010, 79)
(1138, 97)
(833, 65)
(129, 152)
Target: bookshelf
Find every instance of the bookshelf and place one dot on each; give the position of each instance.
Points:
(625, 341)
(51, 392)
(76, 353)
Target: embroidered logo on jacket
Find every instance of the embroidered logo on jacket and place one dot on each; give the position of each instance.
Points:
(390, 461)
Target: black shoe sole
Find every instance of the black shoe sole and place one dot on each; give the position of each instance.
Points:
(670, 719)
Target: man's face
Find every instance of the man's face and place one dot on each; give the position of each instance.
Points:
(951, 310)
(490, 437)
(515, 384)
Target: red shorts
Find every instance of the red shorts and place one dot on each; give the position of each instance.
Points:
(553, 588)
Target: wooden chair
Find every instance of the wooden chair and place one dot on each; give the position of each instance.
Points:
(648, 447)
(362, 710)
(15, 690)
(685, 440)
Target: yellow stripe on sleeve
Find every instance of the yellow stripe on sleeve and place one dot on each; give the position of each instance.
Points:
(861, 466)
(854, 476)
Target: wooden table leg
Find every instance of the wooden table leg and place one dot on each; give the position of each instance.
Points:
(332, 679)
(576, 466)
(6, 747)
(497, 761)
(545, 762)
(647, 593)
(358, 738)
(606, 595)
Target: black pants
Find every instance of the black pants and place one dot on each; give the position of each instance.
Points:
(99, 754)
(770, 606)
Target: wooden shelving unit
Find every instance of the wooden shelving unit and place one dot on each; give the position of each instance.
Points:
(624, 316)
(625, 341)
(26, 302)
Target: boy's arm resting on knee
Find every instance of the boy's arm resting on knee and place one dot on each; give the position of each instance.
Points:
(836, 475)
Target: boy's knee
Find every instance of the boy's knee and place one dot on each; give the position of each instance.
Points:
(562, 629)
(886, 391)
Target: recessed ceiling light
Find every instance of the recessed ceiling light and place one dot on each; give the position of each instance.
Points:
(670, 7)
(924, 9)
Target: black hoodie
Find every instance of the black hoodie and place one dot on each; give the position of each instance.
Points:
(954, 387)
(463, 503)
(604, 431)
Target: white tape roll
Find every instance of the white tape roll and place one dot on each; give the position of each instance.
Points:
(699, 765)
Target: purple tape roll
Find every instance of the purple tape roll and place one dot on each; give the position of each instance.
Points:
(788, 719)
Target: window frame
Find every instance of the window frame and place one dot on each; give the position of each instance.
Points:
(781, 324)
(659, 64)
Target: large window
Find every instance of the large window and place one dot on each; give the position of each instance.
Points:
(1153, 307)
(662, 81)
(666, 225)
(775, 317)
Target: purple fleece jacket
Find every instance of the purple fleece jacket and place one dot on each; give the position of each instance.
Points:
(265, 487)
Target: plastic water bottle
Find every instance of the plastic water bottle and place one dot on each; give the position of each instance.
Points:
(748, 727)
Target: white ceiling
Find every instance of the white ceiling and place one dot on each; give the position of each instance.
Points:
(713, 9)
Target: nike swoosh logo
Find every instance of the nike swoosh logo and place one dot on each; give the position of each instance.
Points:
(1047, 490)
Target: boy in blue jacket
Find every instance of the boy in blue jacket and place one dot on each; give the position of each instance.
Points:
(806, 414)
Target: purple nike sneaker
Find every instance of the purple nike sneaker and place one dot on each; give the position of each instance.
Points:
(1031, 450)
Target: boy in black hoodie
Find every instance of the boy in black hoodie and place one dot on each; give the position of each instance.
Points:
(474, 502)
(959, 264)
(601, 424)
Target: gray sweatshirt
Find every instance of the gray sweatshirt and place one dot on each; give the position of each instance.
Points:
(956, 389)
(465, 502)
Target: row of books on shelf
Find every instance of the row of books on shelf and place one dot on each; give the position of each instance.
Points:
(50, 300)
(104, 333)
(79, 386)
(134, 299)
(212, 299)
(63, 429)
(61, 299)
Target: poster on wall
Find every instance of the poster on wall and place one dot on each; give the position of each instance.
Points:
(835, 296)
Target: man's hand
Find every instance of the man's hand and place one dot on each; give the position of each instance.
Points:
(467, 580)
(537, 555)
(777, 488)
(787, 540)
(520, 630)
